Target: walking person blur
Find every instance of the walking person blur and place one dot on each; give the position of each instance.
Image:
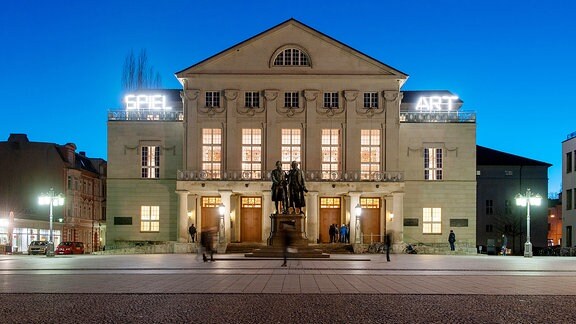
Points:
(504, 244)
(451, 240)
(286, 242)
(387, 242)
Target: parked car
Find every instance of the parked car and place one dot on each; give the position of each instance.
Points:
(70, 248)
(37, 247)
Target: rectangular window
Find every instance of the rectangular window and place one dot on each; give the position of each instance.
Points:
(369, 152)
(569, 199)
(212, 99)
(370, 100)
(568, 162)
(330, 153)
(252, 99)
(489, 207)
(489, 228)
(291, 147)
(150, 162)
(150, 218)
(507, 207)
(291, 100)
(330, 99)
(211, 152)
(433, 164)
(431, 220)
(251, 153)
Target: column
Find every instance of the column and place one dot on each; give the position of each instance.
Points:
(354, 225)
(397, 224)
(182, 224)
(267, 210)
(312, 217)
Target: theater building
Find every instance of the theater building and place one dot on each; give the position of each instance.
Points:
(291, 93)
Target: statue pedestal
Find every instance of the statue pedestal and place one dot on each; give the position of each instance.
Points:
(275, 249)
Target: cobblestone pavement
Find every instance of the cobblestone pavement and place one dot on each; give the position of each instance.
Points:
(233, 289)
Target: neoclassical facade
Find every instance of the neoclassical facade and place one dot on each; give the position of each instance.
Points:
(291, 93)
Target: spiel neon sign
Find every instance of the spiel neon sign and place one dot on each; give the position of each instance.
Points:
(146, 102)
(436, 103)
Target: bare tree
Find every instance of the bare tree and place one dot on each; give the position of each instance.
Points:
(136, 74)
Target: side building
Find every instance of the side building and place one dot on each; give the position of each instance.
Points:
(501, 177)
(569, 191)
(291, 93)
(30, 169)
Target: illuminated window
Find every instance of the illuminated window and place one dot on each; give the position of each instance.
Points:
(252, 152)
(329, 202)
(370, 100)
(432, 220)
(149, 218)
(330, 153)
(150, 162)
(291, 147)
(373, 203)
(433, 164)
(369, 152)
(291, 100)
(211, 202)
(212, 99)
(211, 152)
(292, 57)
(252, 99)
(251, 202)
(331, 100)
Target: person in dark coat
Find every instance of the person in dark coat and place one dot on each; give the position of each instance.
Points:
(332, 233)
(387, 243)
(206, 240)
(504, 244)
(286, 242)
(192, 231)
(451, 240)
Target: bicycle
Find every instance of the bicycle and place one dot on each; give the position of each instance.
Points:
(377, 247)
(409, 249)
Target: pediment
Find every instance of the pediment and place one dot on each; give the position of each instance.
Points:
(327, 56)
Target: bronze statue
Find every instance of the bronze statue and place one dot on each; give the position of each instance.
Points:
(296, 187)
(279, 190)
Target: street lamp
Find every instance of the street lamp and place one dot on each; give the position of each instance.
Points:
(528, 200)
(52, 200)
(222, 233)
(358, 211)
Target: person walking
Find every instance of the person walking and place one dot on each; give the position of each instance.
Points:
(343, 230)
(286, 242)
(192, 231)
(451, 240)
(504, 244)
(206, 240)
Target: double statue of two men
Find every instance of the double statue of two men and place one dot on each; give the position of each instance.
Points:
(288, 188)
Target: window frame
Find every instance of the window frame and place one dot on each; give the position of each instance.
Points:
(433, 171)
(150, 163)
(149, 219)
(212, 152)
(371, 100)
(212, 99)
(371, 145)
(252, 145)
(435, 220)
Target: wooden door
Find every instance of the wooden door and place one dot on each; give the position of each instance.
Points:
(251, 219)
(209, 210)
(330, 213)
(370, 220)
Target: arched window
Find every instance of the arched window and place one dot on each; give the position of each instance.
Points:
(292, 57)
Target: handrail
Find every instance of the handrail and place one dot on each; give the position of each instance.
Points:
(311, 175)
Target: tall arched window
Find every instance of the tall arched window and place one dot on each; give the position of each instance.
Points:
(292, 57)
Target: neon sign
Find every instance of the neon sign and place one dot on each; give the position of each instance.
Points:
(146, 102)
(436, 103)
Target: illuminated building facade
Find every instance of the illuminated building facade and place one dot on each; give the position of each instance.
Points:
(291, 93)
(29, 169)
(569, 191)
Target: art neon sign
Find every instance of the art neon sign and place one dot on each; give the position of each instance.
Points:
(146, 102)
(436, 103)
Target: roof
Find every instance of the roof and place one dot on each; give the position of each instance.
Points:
(413, 96)
(296, 22)
(487, 156)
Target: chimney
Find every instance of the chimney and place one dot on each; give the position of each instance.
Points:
(69, 153)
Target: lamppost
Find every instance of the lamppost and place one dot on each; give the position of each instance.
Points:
(51, 200)
(221, 233)
(527, 201)
(358, 211)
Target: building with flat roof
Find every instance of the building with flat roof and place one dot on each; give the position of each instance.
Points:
(569, 190)
(292, 93)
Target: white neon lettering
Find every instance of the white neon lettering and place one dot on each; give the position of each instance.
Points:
(146, 102)
(436, 103)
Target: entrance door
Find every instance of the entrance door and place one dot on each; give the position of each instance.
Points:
(251, 219)
(209, 210)
(330, 213)
(370, 220)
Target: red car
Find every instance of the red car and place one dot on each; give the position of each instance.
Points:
(70, 248)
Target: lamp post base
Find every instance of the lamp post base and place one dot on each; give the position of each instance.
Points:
(528, 250)
(50, 249)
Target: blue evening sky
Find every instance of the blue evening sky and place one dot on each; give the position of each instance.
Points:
(513, 62)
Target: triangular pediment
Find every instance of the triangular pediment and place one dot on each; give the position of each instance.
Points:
(327, 56)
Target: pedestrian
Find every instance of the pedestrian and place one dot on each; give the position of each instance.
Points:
(332, 233)
(286, 242)
(387, 242)
(192, 231)
(504, 244)
(343, 230)
(451, 240)
(348, 234)
(206, 240)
